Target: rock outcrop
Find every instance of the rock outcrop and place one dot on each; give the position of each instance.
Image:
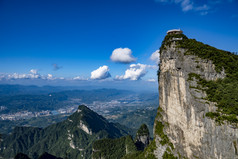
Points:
(142, 137)
(182, 129)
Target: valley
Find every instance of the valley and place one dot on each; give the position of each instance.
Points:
(20, 109)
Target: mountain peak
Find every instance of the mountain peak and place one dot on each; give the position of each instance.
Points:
(74, 135)
(87, 120)
(197, 99)
(82, 107)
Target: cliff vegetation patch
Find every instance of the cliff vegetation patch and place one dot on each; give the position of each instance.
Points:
(222, 91)
(225, 93)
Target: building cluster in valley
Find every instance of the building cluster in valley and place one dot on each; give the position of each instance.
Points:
(104, 108)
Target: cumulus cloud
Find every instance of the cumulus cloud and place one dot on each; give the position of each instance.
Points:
(32, 75)
(122, 55)
(56, 67)
(155, 56)
(135, 72)
(100, 73)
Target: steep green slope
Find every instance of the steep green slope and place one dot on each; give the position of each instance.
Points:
(109, 148)
(72, 138)
(124, 147)
(114, 148)
(134, 119)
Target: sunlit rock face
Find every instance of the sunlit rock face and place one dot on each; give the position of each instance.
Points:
(183, 110)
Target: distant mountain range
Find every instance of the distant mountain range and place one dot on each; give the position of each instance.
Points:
(72, 137)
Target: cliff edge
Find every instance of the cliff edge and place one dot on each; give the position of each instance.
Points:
(198, 96)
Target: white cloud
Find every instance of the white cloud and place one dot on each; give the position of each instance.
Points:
(155, 56)
(33, 71)
(122, 55)
(32, 75)
(135, 72)
(101, 73)
(22, 76)
(151, 80)
(49, 77)
(79, 78)
(186, 5)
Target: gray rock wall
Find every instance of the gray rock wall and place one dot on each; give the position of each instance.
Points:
(188, 129)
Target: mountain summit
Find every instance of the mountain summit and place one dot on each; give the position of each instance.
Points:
(71, 138)
(198, 96)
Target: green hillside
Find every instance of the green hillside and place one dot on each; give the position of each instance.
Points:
(124, 147)
(72, 138)
(134, 119)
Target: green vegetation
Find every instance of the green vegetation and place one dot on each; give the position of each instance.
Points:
(148, 153)
(123, 147)
(163, 138)
(159, 130)
(134, 119)
(115, 148)
(221, 59)
(8, 126)
(130, 145)
(143, 130)
(169, 39)
(167, 155)
(109, 148)
(222, 91)
(63, 139)
(225, 93)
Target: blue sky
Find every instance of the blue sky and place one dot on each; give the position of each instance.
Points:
(71, 39)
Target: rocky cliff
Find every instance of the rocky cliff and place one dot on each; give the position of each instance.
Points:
(142, 137)
(191, 121)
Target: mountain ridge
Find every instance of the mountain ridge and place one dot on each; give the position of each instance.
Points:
(72, 137)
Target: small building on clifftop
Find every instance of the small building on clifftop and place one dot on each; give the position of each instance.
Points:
(175, 31)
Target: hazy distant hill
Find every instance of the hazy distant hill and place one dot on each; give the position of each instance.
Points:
(72, 137)
(6, 90)
(20, 100)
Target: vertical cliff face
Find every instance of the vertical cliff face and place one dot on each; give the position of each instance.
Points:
(182, 128)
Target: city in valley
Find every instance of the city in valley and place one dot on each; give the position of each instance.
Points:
(109, 109)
